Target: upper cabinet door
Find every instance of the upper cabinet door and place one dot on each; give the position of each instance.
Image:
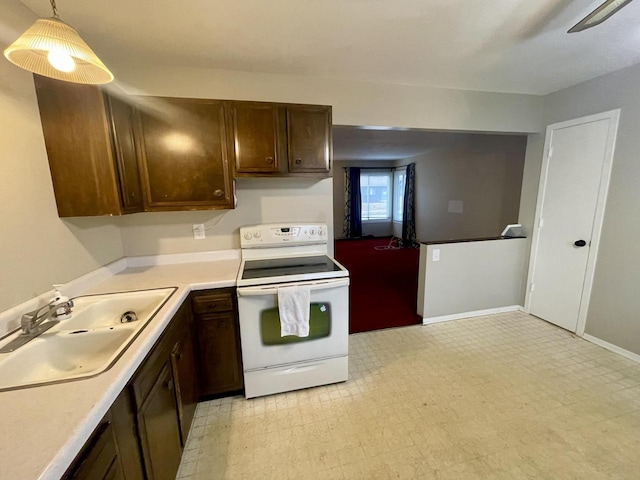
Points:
(78, 140)
(257, 137)
(185, 154)
(309, 137)
(126, 156)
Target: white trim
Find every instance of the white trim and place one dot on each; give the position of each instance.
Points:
(476, 313)
(614, 117)
(611, 347)
(174, 258)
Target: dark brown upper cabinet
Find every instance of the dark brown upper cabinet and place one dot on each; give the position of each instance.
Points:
(184, 154)
(91, 149)
(258, 137)
(309, 139)
(274, 139)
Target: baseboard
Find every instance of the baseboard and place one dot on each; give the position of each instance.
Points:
(476, 313)
(613, 348)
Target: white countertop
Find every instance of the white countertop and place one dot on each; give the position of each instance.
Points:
(44, 428)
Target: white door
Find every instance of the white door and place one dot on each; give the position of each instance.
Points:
(573, 186)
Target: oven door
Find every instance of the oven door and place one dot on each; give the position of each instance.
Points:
(262, 345)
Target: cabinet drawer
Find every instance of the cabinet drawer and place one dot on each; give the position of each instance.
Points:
(213, 303)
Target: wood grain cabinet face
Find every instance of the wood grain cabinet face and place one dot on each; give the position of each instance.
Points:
(219, 357)
(218, 334)
(121, 115)
(98, 460)
(77, 135)
(185, 374)
(309, 139)
(185, 154)
(159, 429)
(257, 137)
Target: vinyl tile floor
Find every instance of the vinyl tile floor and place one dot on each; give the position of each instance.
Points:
(504, 396)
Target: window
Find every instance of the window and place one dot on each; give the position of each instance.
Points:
(399, 178)
(376, 192)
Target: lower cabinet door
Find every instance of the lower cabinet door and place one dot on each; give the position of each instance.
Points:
(220, 357)
(99, 459)
(159, 429)
(185, 374)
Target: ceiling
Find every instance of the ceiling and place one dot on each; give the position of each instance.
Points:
(491, 45)
(373, 143)
(361, 143)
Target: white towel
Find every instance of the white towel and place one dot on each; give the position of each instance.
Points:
(293, 307)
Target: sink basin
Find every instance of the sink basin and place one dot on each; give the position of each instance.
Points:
(84, 345)
(94, 311)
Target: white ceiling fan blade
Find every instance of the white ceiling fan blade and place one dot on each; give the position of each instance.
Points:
(599, 15)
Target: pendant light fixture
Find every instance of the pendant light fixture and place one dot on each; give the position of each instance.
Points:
(54, 49)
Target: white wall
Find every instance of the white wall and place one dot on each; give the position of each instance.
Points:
(354, 103)
(613, 312)
(37, 249)
(470, 277)
(482, 171)
(260, 200)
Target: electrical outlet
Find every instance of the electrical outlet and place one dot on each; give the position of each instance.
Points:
(436, 254)
(198, 231)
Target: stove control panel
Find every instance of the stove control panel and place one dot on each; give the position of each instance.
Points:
(275, 235)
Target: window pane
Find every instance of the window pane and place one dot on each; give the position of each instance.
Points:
(399, 177)
(375, 188)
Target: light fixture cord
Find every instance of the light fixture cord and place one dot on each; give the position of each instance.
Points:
(55, 9)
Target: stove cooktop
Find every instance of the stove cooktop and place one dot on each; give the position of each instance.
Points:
(289, 269)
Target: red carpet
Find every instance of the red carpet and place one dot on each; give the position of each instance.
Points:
(384, 284)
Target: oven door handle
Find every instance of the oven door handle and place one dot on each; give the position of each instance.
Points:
(273, 289)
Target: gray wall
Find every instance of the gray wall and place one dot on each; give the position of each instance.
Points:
(615, 303)
(37, 249)
(470, 277)
(484, 171)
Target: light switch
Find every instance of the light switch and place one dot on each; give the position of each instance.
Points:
(436, 255)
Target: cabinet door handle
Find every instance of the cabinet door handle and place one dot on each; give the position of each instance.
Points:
(298, 161)
(218, 193)
(269, 160)
(179, 356)
(170, 385)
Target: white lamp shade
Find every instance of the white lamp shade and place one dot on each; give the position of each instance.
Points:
(49, 42)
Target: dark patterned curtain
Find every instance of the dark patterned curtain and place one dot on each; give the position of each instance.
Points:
(409, 211)
(353, 203)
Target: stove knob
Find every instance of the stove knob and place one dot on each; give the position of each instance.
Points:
(321, 232)
(247, 236)
(257, 234)
(313, 231)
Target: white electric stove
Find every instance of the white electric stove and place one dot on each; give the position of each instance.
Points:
(275, 256)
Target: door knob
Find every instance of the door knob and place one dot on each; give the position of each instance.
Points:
(579, 243)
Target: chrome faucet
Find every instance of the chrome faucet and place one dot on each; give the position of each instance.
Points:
(31, 322)
(35, 323)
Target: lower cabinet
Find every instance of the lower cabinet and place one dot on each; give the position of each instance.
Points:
(159, 429)
(143, 434)
(218, 332)
(185, 374)
(99, 457)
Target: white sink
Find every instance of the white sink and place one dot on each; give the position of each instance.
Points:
(84, 345)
